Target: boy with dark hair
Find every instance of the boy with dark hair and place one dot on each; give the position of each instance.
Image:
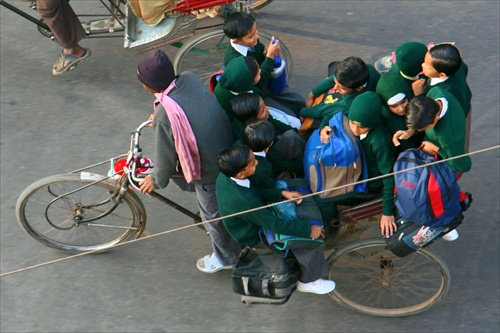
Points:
(352, 77)
(444, 67)
(241, 28)
(236, 194)
(202, 126)
(440, 116)
(287, 152)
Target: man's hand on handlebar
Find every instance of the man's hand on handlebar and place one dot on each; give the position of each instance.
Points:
(146, 185)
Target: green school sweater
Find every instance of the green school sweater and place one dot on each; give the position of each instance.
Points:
(266, 64)
(326, 111)
(449, 132)
(457, 85)
(235, 79)
(233, 198)
(380, 157)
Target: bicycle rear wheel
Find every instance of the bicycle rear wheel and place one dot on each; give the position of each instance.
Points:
(77, 221)
(372, 280)
(204, 54)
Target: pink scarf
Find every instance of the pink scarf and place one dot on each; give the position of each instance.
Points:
(184, 139)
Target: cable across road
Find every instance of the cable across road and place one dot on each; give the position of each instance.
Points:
(240, 213)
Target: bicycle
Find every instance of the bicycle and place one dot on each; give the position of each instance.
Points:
(202, 54)
(83, 211)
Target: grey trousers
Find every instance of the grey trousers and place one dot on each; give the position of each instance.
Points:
(312, 264)
(224, 246)
(291, 146)
(62, 21)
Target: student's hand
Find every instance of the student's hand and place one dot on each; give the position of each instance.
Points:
(310, 99)
(418, 87)
(387, 225)
(402, 135)
(146, 185)
(324, 134)
(429, 147)
(292, 195)
(273, 49)
(317, 232)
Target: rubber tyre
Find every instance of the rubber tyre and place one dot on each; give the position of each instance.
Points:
(204, 54)
(33, 208)
(349, 267)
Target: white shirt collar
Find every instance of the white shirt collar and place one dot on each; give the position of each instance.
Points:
(362, 136)
(242, 182)
(241, 49)
(260, 153)
(445, 106)
(436, 80)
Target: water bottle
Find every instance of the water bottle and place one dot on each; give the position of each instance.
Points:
(277, 80)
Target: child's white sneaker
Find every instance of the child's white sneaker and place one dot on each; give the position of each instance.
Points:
(451, 236)
(319, 286)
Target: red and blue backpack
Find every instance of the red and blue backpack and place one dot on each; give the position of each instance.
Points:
(429, 195)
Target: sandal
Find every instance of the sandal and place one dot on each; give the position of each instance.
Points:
(71, 61)
(210, 264)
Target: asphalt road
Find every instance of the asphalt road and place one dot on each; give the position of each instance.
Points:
(51, 125)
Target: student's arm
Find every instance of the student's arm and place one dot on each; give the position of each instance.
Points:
(385, 161)
(279, 126)
(462, 164)
(323, 86)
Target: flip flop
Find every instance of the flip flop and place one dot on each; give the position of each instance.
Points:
(210, 264)
(71, 60)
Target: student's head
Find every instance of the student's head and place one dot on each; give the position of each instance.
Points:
(240, 75)
(364, 113)
(237, 161)
(441, 61)
(155, 71)
(249, 107)
(351, 75)
(409, 58)
(422, 113)
(254, 68)
(397, 104)
(242, 29)
(259, 135)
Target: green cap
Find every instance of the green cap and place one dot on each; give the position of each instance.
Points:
(366, 110)
(409, 57)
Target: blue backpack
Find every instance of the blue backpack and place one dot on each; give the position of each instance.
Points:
(339, 162)
(428, 196)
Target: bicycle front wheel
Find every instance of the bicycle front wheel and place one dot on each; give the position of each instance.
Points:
(372, 280)
(204, 54)
(70, 213)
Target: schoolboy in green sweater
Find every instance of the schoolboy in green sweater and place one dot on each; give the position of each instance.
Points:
(241, 28)
(239, 76)
(440, 116)
(236, 194)
(287, 152)
(352, 77)
(365, 122)
(444, 68)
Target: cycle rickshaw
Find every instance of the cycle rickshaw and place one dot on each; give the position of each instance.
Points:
(200, 39)
(83, 211)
